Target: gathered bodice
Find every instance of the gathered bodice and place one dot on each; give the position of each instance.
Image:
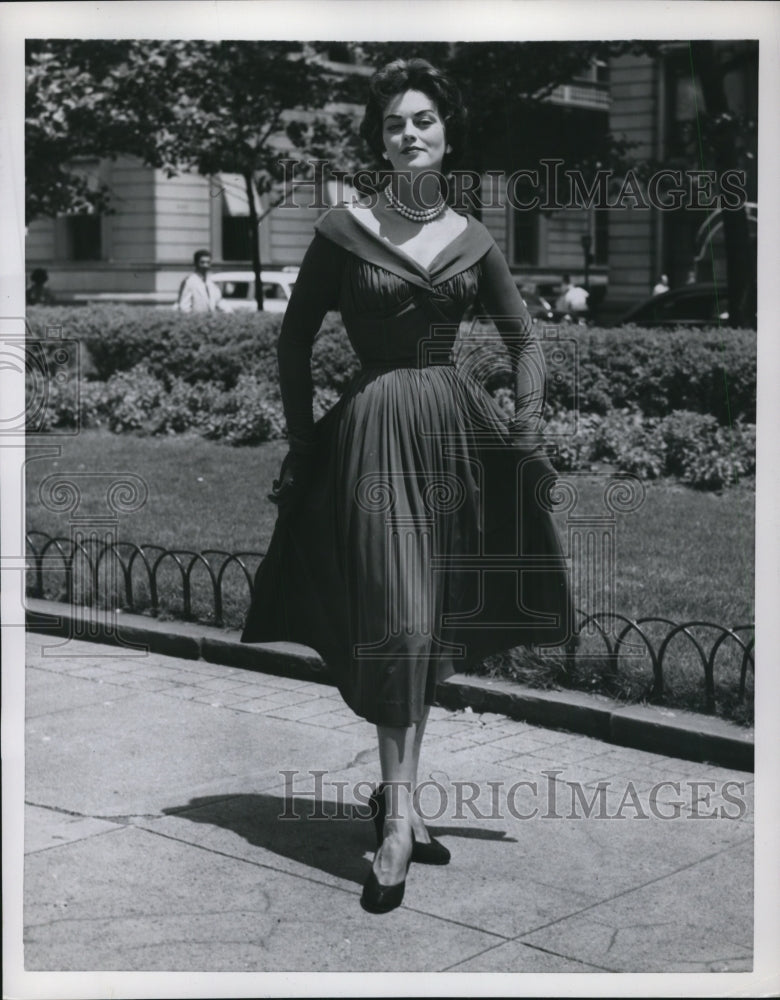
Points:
(391, 321)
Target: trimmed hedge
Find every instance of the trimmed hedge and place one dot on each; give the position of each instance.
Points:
(207, 347)
(708, 371)
(596, 370)
(649, 402)
(653, 371)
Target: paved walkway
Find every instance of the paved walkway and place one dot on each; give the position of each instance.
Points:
(174, 822)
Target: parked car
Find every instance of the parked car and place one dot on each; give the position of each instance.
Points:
(238, 289)
(699, 304)
(538, 307)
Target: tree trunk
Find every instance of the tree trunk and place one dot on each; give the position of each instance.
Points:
(254, 226)
(740, 265)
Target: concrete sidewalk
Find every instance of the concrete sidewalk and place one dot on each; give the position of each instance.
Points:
(155, 837)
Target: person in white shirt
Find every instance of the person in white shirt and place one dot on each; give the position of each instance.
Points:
(662, 286)
(198, 293)
(572, 299)
(576, 300)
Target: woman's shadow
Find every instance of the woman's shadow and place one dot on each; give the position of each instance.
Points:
(337, 838)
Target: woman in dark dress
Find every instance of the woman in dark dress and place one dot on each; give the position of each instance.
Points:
(413, 536)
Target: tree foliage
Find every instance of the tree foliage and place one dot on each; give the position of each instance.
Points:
(212, 107)
(240, 106)
(66, 118)
(221, 106)
(178, 105)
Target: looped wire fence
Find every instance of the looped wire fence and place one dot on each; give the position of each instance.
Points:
(102, 572)
(656, 635)
(132, 577)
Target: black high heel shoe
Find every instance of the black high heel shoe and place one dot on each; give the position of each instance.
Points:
(434, 853)
(378, 898)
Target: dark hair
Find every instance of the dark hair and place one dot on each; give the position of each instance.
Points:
(39, 276)
(198, 254)
(414, 74)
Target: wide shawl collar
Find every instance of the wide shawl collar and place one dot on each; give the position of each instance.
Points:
(340, 226)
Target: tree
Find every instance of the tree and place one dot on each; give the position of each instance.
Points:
(727, 141)
(212, 107)
(65, 121)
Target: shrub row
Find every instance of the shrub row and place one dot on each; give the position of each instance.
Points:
(207, 347)
(692, 446)
(136, 401)
(217, 348)
(594, 370)
(653, 371)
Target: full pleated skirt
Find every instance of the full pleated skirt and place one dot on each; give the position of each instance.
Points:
(424, 542)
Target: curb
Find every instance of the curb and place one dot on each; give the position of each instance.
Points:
(673, 733)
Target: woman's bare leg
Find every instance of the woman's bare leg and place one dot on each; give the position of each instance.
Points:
(420, 832)
(397, 759)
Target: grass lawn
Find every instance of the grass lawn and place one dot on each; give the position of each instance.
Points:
(682, 555)
(201, 494)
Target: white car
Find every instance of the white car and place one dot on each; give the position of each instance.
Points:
(238, 289)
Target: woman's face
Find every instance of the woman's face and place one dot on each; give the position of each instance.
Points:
(413, 132)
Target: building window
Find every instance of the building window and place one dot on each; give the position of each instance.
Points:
(236, 242)
(341, 52)
(684, 103)
(83, 237)
(525, 237)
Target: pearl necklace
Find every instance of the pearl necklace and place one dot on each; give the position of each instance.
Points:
(415, 214)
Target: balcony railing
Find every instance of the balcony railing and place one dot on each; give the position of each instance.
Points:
(581, 95)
